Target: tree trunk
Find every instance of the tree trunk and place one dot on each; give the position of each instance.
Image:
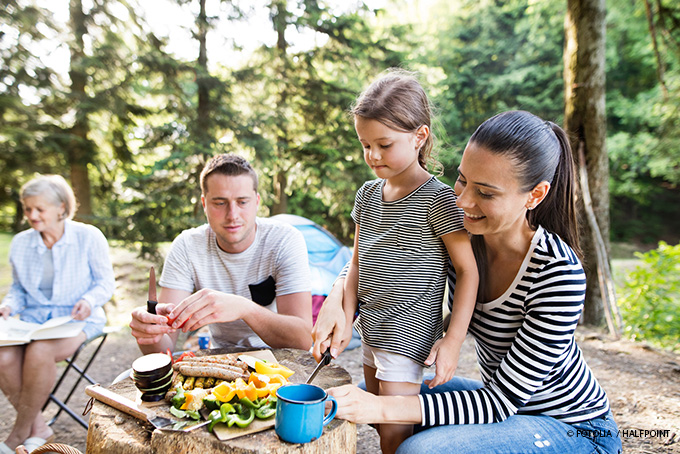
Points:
(80, 150)
(280, 21)
(585, 121)
(203, 110)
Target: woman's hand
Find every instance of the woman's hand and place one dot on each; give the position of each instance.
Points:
(356, 405)
(361, 407)
(5, 311)
(445, 353)
(81, 310)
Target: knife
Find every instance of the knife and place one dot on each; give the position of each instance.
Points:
(153, 300)
(325, 360)
(131, 408)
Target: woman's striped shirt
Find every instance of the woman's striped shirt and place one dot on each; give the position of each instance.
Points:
(403, 265)
(529, 360)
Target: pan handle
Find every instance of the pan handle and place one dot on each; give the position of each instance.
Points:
(118, 402)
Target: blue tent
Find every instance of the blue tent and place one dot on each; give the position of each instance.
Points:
(326, 254)
(327, 257)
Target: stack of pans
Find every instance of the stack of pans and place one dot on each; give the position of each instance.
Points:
(152, 375)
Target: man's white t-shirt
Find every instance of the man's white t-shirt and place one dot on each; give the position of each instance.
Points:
(275, 264)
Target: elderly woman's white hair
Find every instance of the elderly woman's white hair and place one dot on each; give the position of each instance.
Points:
(54, 189)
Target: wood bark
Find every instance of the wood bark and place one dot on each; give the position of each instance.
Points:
(585, 122)
(280, 22)
(79, 150)
(202, 75)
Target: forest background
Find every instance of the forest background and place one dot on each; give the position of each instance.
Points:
(92, 90)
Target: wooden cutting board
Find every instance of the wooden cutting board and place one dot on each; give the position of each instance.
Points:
(227, 433)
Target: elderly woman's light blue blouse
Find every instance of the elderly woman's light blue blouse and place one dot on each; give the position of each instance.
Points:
(82, 270)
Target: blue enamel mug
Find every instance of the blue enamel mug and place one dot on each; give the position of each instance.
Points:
(300, 412)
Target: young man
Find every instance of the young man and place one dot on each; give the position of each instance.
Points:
(250, 275)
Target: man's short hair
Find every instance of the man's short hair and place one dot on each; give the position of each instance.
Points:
(227, 164)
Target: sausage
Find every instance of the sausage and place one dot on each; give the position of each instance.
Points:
(212, 360)
(223, 372)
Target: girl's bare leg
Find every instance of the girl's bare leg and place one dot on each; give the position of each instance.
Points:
(392, 435)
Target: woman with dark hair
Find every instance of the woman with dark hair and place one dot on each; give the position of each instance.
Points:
(59, 268)
(516, 187)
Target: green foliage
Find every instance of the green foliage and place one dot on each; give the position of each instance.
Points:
(650, 298)
(296, 105)
(643, 122)
(495, 57)
(153, 119)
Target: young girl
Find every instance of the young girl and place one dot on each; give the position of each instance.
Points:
(407, 229)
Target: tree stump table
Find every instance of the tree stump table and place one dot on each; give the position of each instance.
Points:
(114, 432)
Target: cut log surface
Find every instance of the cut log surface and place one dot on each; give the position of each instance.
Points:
(114, 432)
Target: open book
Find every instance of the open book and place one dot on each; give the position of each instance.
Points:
(16, 332)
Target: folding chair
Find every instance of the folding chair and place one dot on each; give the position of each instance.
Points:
(81, 371)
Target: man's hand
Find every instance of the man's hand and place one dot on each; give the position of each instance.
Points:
(149, 329)
(81, 310)
(206, 307)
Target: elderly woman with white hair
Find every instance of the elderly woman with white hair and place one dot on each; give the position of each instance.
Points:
(59, 267)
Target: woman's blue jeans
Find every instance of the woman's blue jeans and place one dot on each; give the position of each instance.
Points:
(519, 434)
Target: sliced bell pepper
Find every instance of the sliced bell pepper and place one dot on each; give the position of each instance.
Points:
(179, 398)
(214, 417)
(243, 416)
(250, 403)
(272, 368)
(224, 392)
(249, 391)
(260, 380)
(267, 408)
(220, 415)
(277, 379)
(185, 355)
(210, 402)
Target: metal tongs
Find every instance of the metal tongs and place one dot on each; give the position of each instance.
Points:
(325, 360)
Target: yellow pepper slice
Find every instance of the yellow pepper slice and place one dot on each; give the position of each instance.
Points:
(272, 368)
(249, 391)
(224, 392)
(260, 380)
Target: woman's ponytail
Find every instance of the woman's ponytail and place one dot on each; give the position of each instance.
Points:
(557, 212)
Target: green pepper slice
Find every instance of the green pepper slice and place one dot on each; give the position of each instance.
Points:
(211, 402)
(249, 403)
(226, 409)
(179, 398)
(243, 416)
(266, 411)
(214, 417)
